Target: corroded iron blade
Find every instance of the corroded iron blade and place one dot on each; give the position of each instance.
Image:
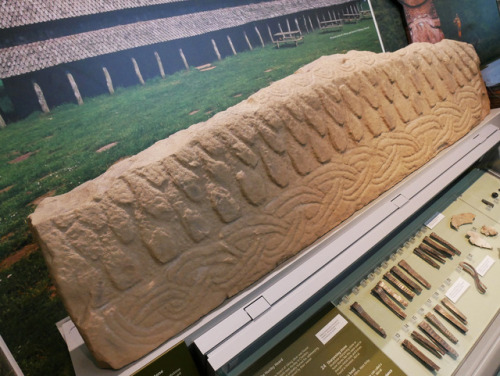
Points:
(437, 238)
(426, 258)
(405, 266)
(358, 310)
(406, 280)
(429, 364)
(432, 253)
(453, 309)
(429, 345)
(438, 340)
(400, 286)
(439, 326)
(438, 247)
(384, 298)
(393, 294)
(451, 319)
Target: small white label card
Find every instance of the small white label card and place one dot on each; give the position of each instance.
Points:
(457, 289)
(485, 265)
(331, 329)
(434, 220)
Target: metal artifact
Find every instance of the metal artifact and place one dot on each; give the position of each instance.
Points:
(451, 319)
(361, 313)
(399, 285)
(438, 247)
(438, 340)
(429, 364)
(481, 287)
(405, 266)
(393, 294)
(453, 309)
(406, 280)
(431, 252)
(439, 326)
(426, 258)
(488, 203)
(427, 344)
(384, 298)
(439, 239)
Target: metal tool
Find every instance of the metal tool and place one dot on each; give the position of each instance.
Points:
(437, 238)
(427, 344)
(406, 280)
(451, 319)
(384, 298)
(393, 294)
(426, 258)
(439, 326)
(358, 310)
(406, 267)
(438, 340)
(399, 285)
(429, 364)
(453, 309)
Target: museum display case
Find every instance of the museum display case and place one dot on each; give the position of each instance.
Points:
(404, 287)
(372, 277)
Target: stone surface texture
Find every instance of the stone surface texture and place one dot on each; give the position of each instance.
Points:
(162, 238)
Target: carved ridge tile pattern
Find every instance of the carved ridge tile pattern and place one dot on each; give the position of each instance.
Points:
(164, 237)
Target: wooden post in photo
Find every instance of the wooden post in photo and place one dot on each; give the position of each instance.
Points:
(305, 24)
(2, 122)
(330, 15)
(298, 27)
(279, 26)
(184, 59)
(109, 83)
(216, 50)
(310, 23)
(137, 71)
(317, 19)
(231, 45)
(270, 33)
(288, 25)
(160, 65)
(74, 86)
(260, 36)
(41, 98)
(248, 41)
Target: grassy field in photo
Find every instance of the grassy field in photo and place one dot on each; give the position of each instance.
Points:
(49, 154)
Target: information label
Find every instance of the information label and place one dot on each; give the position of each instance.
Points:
(485, 265)
(327, 345)
(331, 329)
(434, 220)
(457, 289)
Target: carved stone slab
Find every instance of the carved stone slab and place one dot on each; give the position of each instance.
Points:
(162, 238)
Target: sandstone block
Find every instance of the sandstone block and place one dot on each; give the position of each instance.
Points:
(162, 238)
